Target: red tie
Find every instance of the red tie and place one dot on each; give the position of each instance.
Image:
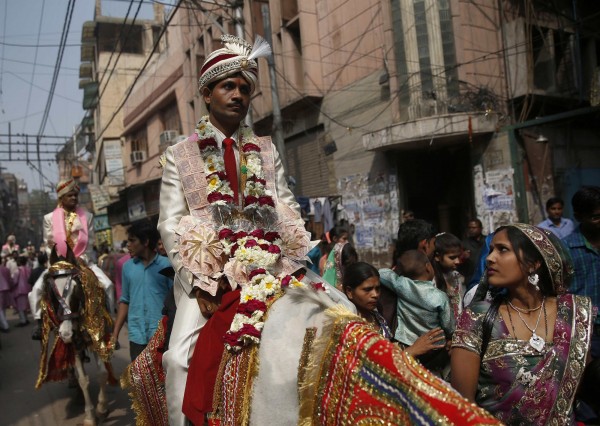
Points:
(231, 166)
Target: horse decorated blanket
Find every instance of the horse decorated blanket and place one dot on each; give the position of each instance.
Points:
(144, 378)
(353, 375)
(95, 324)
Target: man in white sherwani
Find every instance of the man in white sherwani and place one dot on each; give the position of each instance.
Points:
(228, 79)
(69, 226)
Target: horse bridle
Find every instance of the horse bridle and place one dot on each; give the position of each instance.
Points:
(67, 313)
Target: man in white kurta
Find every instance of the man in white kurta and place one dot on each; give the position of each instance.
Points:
(70, 225)
(228, 78)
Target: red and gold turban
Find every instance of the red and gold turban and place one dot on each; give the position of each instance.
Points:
(66, 186)
(238, 56)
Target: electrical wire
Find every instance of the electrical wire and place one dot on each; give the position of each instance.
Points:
(2, 57)
(140, 73)
(122, 44)
(65, 33)
(34, 63)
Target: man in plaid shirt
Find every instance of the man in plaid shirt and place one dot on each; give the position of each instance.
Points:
(584, 245)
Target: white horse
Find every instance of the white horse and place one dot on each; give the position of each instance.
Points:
(276, 388)
(276, 384)
(74, 307)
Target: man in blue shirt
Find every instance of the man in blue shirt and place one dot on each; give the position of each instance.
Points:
(584, 245)
(144, 288)
(560, 226)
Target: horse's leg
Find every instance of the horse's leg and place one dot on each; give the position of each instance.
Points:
(102, 407)
(84, 382)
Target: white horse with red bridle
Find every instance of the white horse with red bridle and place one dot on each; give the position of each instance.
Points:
(74, 320)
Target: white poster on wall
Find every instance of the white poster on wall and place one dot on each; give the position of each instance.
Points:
(113, 158)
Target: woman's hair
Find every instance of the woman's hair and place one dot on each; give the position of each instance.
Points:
(336, 232)
(444, 242)
(357, 273)
(528, 255)
(348, 256)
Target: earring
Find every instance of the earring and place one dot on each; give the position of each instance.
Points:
(534, 279)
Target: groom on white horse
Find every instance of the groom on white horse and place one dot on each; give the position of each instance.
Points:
(243, 172)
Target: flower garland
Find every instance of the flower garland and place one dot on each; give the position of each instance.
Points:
(257, 249)
(256, 197)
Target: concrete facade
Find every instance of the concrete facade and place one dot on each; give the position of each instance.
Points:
(428, 105)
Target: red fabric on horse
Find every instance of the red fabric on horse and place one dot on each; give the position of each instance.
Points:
(61, 360)
(204, 366)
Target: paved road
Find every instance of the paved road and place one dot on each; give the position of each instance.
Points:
(54, 404)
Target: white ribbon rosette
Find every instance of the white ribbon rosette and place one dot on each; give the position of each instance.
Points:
(201, 253)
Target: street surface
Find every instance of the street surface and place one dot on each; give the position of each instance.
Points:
(54, 404)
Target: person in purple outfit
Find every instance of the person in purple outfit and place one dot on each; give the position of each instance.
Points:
(21, 290)
(6, 284)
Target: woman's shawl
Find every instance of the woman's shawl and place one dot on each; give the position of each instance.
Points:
(516, 383)
(333, 266)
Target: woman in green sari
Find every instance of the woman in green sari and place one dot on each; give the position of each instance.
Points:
(342, 255)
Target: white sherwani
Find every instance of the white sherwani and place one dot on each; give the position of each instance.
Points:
(173, 206)
(36, 292)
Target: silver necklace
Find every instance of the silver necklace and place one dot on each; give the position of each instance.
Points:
(522, 310)
(536, 342)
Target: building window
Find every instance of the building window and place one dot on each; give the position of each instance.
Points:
(119, 38)
(258, 25)
(423, 48)
(139, 142)
(170, 118)
(553, 56)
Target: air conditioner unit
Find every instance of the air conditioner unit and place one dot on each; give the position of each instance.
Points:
(168, 137)
(137, 157)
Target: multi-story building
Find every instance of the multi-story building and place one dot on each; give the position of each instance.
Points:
(449, 108)
(9, 203)
(113, 53)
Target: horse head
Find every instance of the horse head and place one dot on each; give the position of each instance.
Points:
(63, 286)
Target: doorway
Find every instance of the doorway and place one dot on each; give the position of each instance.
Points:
(437, 186)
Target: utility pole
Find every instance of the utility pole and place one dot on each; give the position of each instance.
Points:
(238, 21)
(277, 121)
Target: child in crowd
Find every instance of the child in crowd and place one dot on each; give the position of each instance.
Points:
(447, 258)
(334, 236)
(362, 286)
(421, 307)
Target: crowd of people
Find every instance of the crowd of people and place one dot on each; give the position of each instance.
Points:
(509, 320)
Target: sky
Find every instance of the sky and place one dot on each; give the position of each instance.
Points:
(30, 34)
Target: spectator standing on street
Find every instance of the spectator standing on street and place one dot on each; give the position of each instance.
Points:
(21, 290)
(472, 245)
(144, 288)
(584, 245)
(6, 283)
(555, 223)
